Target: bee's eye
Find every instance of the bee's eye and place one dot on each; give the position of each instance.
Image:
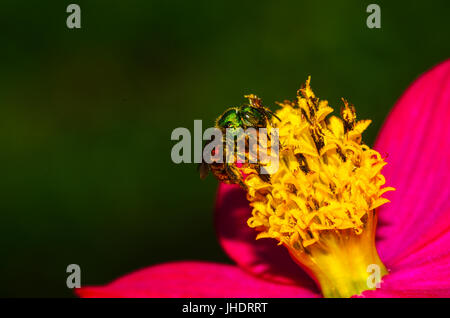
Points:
(229, 119)
(252, 116)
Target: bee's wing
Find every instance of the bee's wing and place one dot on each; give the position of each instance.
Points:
(250, 121)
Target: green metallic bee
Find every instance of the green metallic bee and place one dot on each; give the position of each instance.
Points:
(251, 115)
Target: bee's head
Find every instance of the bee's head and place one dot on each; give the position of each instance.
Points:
(229, 119)
(253, 116)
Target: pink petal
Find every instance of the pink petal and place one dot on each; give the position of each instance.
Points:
(261, 257)
(429, 279)
(192, 279)
(416, 138)
(423, 273)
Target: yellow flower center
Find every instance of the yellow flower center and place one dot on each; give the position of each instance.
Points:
(321, 202)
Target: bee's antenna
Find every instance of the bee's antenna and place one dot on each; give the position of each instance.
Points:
(273, 114)
(268, 111)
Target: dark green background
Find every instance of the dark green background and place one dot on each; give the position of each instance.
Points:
(86, 115)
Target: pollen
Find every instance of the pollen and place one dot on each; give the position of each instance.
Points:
(328, 181)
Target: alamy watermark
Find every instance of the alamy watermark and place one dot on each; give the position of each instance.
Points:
(231, 145)
(73, 21)
(74, 279)
(374, 19)
(374, 279)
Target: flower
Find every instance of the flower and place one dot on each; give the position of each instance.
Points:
(320, 203)
(413, 234)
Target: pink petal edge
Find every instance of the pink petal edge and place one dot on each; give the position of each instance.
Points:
(416, 139)
(189, 279)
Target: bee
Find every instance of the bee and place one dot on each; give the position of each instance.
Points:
(251, 115)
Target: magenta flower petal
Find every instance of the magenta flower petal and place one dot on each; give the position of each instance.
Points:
(431, 278)
(431, 252)
(193, 279)
(260, 257)
(416, 139)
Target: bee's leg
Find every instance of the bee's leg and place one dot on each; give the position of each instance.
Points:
(264, 177)
(203, 168)
(235, 175)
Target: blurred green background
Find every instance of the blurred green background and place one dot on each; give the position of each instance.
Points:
(86, 115)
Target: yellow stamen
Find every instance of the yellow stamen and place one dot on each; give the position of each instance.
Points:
(321, 202)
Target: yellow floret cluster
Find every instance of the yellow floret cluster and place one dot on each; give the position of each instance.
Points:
(327, 180)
